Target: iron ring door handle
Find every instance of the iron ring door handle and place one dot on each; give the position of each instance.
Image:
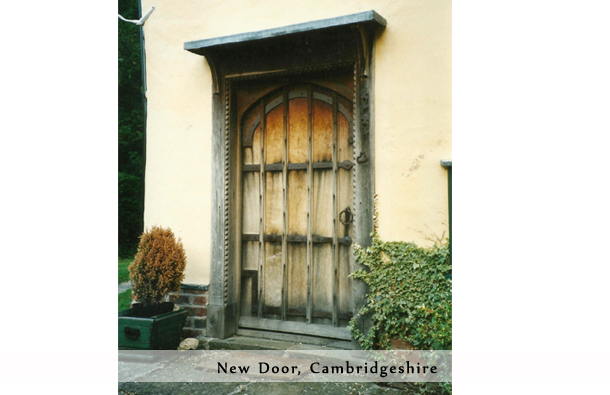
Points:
(349, 217)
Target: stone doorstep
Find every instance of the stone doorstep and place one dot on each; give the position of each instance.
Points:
(254, 343)
(248, 343)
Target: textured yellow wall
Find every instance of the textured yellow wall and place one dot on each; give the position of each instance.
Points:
(412, 112)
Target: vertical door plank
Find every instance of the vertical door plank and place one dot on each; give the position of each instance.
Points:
(274, 135)
(322, 132)
(274, 140)
(284, 206)
(250, 200)
(309, 204)
(274, 143)
(246, 296)
(250, 222)
(261, 235)
(335, 263)
(273, 276)
(297, 207)
(322, 212)
(345, 197)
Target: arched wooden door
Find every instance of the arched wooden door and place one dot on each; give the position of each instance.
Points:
(297, 194)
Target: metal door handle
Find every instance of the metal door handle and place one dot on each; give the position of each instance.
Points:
(349, 217)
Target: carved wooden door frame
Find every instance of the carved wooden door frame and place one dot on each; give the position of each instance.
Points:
(296, 50)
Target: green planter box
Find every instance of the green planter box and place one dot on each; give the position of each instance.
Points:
(151, 328)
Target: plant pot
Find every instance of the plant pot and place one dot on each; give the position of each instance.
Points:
(155, 327)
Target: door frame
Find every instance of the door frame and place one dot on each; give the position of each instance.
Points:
(349, 41)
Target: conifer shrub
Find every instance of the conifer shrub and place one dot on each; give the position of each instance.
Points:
(158, 267)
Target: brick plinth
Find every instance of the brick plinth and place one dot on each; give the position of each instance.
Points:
(192, 298)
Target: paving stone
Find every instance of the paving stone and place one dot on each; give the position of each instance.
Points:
(256, 389)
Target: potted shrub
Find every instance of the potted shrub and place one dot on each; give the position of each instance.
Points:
(158, 268)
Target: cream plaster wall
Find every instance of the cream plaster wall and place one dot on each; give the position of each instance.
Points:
(412, 112)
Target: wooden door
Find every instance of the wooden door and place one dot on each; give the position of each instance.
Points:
(297, 193)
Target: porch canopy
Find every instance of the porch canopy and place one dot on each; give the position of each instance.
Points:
(324, 26)
(328, 41)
